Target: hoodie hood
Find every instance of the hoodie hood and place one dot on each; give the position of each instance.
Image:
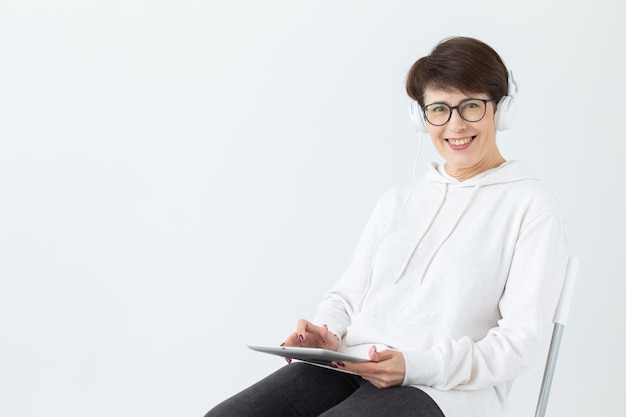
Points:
(510, 171)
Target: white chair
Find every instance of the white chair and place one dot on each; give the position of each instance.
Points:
(560, 319)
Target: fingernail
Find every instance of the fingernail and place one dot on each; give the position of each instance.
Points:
(301, 338)
(341, 364)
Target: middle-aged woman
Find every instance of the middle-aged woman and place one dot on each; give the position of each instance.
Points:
(455, 280)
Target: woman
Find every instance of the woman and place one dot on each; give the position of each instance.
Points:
(454, 282)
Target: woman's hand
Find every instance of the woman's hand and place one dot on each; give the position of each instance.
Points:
(386, 369)
(308, 334)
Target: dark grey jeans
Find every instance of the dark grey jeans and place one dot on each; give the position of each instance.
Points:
(303, 390)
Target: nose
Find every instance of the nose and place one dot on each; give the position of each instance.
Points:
(456, 122)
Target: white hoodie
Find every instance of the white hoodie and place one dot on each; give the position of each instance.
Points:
(462, 277)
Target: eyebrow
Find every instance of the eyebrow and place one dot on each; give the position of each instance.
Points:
(465, 99)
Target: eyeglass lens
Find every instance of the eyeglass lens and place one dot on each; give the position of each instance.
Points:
(472, 110)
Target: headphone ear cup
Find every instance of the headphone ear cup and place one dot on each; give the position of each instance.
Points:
(417, 117)
(505, 113)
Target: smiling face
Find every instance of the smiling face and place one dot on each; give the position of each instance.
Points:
(469, 148)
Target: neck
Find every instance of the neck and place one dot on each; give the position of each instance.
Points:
(466, 173)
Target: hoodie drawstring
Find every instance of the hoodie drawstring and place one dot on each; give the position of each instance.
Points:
(434, 253)
(417, 243)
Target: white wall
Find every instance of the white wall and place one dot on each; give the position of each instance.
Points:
(181, 178)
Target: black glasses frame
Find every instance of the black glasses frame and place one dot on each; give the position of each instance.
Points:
(452, 108)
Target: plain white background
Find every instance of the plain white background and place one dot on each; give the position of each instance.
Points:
(181, 178)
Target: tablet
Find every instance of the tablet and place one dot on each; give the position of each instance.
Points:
(314, 355)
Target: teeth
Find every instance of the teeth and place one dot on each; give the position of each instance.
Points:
(459, 142)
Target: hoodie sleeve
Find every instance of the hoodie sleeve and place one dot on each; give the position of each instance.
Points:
(527, 309)
(344, 298)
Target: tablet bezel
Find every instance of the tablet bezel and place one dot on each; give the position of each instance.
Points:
(315, 355)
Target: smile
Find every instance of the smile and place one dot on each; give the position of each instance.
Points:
(460, 143)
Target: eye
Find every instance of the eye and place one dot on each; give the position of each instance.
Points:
(437, 108)
(472, 105)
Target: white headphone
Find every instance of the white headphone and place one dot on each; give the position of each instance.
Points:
(505, 110)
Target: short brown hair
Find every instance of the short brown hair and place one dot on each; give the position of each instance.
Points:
(462, 63)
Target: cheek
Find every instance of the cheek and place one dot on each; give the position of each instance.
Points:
(489, 122)
(436, 138)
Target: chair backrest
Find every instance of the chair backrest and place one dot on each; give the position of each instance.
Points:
(560, 319)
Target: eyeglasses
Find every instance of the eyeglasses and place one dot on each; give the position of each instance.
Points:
(471, 110)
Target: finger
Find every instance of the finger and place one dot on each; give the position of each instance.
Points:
(303, 327)
(376, 356)
(292, 340)
(324, 332)
(360, 368)
(373, 354)
(288, 360)
(371, 369)
(311, 335)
